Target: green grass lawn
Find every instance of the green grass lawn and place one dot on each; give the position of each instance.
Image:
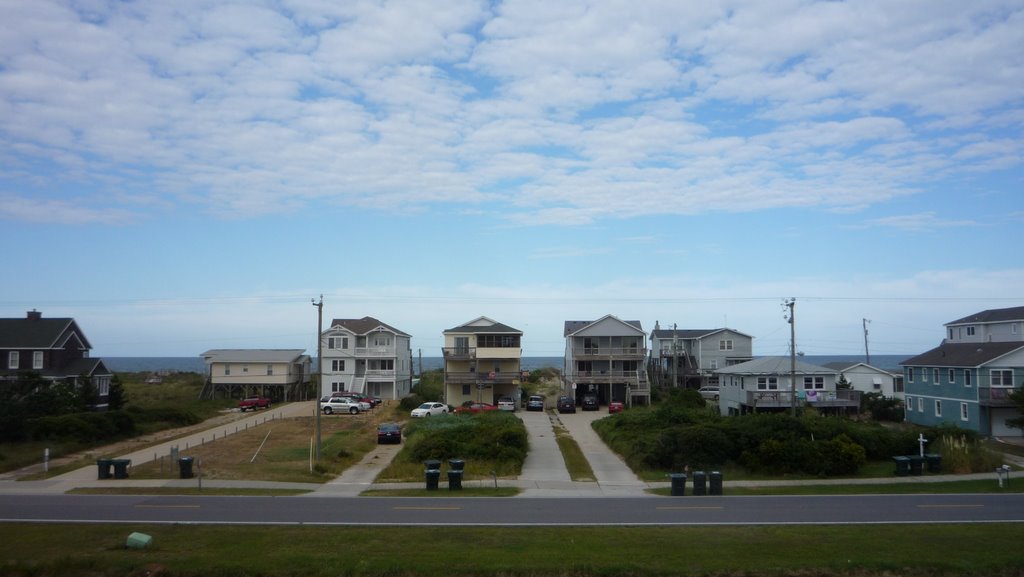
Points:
(312, 551)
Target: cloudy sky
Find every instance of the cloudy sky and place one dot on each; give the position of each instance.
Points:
(187, 175)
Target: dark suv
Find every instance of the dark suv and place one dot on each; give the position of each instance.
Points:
(566, 405)
(590, 403)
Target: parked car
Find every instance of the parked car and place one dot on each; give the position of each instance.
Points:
(253, 403)
(535, 403)
(472, 408)
(709, 393)
(389, 433)
(615, 407)
(566, 405)
(364, 405)
(506, 404)
(340, 405)
(590, 403)
(428, 409)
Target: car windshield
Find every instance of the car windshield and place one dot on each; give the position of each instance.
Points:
(426, 406)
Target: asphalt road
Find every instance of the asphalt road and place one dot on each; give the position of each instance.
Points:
(687, 510)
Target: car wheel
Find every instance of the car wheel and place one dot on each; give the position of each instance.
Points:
(353, 411)
(328, 410)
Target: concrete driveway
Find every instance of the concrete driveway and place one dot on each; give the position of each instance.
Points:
(614, 477)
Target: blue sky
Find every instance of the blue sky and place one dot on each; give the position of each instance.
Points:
(189, 175)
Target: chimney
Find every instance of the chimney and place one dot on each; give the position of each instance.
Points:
(34, 315)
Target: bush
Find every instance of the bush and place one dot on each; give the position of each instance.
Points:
(489, 436)
(841, 456)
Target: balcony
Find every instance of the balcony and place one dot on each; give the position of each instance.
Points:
(596, 377)
(462, 378)
(617, 353)
(820, 399)
(375, 352)
(385, 374)
(995, 396)
(459, 353)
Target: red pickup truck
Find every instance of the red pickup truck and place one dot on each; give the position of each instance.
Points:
(253, 403)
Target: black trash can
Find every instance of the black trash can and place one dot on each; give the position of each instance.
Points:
(432, 476)
(120, 468)
(678, 484)
(716, 482)
(916, 464)
(456, 464)
(103, 468)
(185, 467)
(934, 462)
(432, 464)
(902, 465)
(455, 480)
(700, 486)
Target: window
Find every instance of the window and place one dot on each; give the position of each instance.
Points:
(1013, 328)
(103, 386)
(938, 408)
(227, 369)
(714, 363)
(970, 331)
(270, 369)
(920, 404)
(245, 368)
(502, 341)
(37, 359)
(337, 386)
(935, 376)
(910, 374)
(465, 390)
(952, 376)
(338, 365)
(967, 377)
(382, 341)
(767, 383)
(725, 345)
(963, 411)
(814, 383)
(1002, 378)
(12, 359)
(910, 403)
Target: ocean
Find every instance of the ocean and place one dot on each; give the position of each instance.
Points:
(196, 364)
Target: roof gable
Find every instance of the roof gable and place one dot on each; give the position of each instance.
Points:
(484, 325)
(606, 325)
(39, 333)
(688, 334)
(366, 325)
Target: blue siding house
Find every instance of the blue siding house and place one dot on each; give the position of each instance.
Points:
(966, 380)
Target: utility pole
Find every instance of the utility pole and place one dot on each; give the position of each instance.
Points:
(791, 303)
(320, 368)
(867, 355)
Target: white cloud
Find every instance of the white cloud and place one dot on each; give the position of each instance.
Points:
(920, 222)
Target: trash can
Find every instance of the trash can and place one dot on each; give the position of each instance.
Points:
(432, 476)
(934, 462)
(916, 464)
(121, 468)
(700, 486)
(138, 541)
(103, 468)
(456, 464)
(185, 467)
(432, 464)
(902, 465)
(678, 484)
(715, 480)
(455, 480)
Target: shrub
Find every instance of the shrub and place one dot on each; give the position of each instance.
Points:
(841, 456)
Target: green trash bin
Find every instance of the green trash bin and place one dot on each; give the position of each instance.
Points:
(455, 480)
(916, 464)
(678, 484)
(185, 467)
(715, 481)
(103, 468)
(121, 468)
(432, 476)
(902, 465)
(700, 486)
(934, 462)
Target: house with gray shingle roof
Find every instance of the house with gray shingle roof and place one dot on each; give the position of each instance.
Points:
(366, 356)
(607, 358)
(690, 357)
(868, 379)
(279, 374)
(780, 383)
(54, 348)
(482, 362)
(967, 379)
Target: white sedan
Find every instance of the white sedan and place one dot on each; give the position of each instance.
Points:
(427, 409)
